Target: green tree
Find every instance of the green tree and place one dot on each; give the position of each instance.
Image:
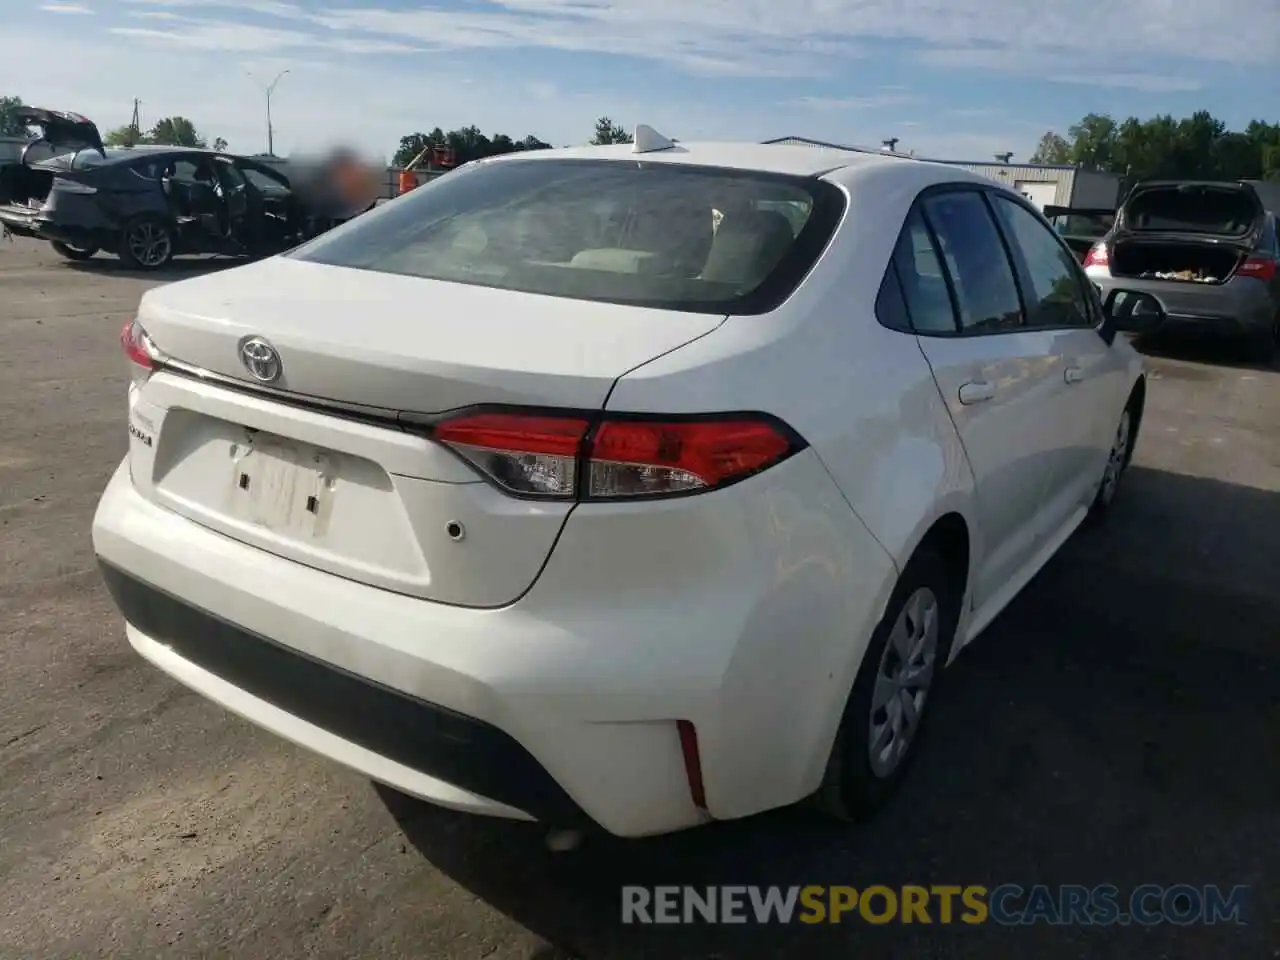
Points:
(468, 143)
(1093, 142)
(1198, 146)
(9, 125)
(1053, 148)
(609, 132)
(126, 136)
(176, 132)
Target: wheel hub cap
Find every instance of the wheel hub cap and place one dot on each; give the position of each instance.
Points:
(1116, 461)
(903, 680)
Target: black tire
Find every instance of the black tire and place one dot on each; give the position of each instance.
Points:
(1117, 460)
(146, 243)
(853, 788)
(72, 253)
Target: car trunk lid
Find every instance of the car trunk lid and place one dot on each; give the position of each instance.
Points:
(363, 494)
(61, 131)
(1197, 211)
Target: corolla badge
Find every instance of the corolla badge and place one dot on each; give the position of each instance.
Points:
(260, 359)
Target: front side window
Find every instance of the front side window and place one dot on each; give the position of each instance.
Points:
(665, 235)
(263, 182)
(976, 260)
(1056, 297)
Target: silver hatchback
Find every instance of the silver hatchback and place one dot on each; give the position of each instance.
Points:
(1208, 251)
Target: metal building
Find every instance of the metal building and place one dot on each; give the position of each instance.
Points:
(1043, 185)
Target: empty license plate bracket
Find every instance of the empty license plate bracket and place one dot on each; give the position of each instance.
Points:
(284, 487)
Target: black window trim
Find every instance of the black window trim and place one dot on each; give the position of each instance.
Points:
(987, 192)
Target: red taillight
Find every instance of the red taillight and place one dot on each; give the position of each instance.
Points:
(1097, 256)
(1260, 268)
(572, 456)
(525, 455)
(138, 346)
(692, 763)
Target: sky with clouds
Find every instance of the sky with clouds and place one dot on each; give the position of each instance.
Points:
(959, 79)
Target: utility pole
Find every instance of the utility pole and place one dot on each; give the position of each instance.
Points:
(269, 90)
(135, 125)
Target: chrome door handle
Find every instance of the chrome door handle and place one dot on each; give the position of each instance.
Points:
(976, 391)
(1074, 375)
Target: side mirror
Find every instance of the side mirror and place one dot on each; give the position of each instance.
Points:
(1130, 311)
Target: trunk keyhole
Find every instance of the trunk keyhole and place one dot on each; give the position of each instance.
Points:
(313, 505)
(244, 481)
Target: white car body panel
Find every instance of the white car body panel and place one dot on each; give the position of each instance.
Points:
(585, 631)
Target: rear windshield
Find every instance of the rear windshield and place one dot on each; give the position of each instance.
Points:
(1084, 225)
(86, 158)
(675, 237)
(1193, 208)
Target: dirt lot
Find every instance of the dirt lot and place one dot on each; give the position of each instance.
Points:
(1119, 724)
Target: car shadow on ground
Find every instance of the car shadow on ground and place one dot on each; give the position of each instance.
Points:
(1218, 351)
(180, 268)
(1119, 723)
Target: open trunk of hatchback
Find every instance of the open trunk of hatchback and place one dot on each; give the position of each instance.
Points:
(62, 134)
(1186, 231)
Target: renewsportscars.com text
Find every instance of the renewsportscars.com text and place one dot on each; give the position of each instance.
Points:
(1007, 904)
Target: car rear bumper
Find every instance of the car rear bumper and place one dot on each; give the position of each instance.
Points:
(1239, 307)
(26, 222)
(548, 709)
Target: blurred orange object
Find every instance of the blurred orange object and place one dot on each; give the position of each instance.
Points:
(408, 180)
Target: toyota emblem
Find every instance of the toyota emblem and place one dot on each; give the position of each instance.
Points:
(260, 359)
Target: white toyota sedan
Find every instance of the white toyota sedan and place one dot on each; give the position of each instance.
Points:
(631, 487)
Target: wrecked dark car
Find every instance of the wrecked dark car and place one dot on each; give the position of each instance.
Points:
(149, 204)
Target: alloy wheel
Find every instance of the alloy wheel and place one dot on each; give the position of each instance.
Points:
(149, 243)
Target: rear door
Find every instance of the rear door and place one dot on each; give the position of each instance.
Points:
(1060, 301)
(1001, 381)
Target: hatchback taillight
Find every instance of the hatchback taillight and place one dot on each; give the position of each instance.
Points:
(1260, 268)
(1097, 256)
(615, 457)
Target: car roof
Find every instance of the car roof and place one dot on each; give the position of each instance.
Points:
(763, 157)
(843, 166)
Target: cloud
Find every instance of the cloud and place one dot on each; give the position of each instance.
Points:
(56, 6)
(1146, 82)
(462, 60)
(888, 97)
(804, 37)
(1055, 65)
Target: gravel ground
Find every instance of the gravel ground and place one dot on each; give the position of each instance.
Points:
(1134, 740)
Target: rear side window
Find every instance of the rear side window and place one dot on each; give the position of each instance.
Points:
(976, 260)
(922, 280)
(663, 235)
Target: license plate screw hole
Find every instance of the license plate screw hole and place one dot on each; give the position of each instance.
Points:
(455, 530)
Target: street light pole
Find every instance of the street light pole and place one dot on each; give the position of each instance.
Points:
(270, 89)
